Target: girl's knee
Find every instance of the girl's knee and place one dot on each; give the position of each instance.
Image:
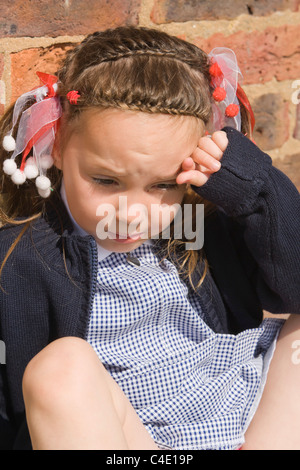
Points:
(60, 367)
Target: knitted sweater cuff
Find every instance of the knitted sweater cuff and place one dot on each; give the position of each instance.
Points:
(244, 171)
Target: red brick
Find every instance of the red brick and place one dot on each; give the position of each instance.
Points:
(68, 17)
(166, 11)
(25, 64)
(1, 64)
(2, 86)
(272, 121)
(262, 55)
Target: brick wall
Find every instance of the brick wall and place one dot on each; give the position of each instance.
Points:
(265, 35)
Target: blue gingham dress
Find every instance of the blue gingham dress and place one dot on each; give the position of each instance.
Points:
(192, 388)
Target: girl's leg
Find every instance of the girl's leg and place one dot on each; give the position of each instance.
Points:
(73, 403)
(276, 424)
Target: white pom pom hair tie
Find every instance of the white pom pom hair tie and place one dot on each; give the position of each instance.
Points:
(36, 133)
(9, 143)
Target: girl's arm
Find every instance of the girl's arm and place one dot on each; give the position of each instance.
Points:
(265, 204)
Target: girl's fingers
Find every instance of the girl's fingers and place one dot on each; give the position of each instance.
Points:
(214, 145)
(220, 139)
(205, 159)
(195, 173)
(207, 145)
(188, 164)
(195, 177)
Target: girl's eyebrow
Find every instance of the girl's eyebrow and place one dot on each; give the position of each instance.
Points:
(168, 178)
(113, 173)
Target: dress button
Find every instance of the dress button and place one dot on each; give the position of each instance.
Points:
(133, 261)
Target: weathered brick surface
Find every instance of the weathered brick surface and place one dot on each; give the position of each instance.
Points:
(166, 11)
(296, 133)
(25, 64)
(272, 121)
(290, 165)
(262, 55)
(2, 86)
(56, 18)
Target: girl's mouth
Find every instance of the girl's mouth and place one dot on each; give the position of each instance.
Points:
(120, 238)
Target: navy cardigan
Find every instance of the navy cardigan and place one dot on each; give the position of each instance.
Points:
(251, 243)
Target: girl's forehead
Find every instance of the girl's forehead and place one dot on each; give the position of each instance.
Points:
(115, 133)
(134, 122)
(132, 143)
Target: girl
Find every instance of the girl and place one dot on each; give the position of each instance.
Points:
(120, 338)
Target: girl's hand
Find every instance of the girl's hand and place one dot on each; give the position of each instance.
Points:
(204, 161)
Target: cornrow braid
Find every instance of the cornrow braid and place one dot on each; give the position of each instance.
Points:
(139, 69)
(123, 42)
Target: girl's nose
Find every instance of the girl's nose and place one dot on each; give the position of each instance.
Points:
(131, 212)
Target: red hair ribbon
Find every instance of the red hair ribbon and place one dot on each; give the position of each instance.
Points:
(242, 97)
(49, 81)
(34, 139)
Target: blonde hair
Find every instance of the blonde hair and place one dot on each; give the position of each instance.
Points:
(127, 68)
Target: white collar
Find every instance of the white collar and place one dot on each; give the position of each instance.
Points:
(102, 252)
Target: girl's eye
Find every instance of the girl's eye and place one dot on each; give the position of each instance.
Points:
(166, 186)
(159, 186)
(104, 181)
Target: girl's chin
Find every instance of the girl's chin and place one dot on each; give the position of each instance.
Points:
(121, 245)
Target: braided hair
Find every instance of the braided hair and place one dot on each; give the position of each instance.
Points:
(138, 69)
(127, 68)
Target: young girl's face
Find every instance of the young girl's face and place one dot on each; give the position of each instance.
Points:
(120, 169)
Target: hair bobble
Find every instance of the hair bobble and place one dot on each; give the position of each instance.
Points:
(224, 76)
(219, 94)
(73, 96)
(215, 71)
(232, 110)
(227, 92)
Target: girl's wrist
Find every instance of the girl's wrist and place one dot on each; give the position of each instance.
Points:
(244, 170)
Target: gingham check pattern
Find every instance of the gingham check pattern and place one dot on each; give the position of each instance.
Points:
(191, 387)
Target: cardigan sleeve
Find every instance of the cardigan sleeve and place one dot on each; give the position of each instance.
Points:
(265, 205)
